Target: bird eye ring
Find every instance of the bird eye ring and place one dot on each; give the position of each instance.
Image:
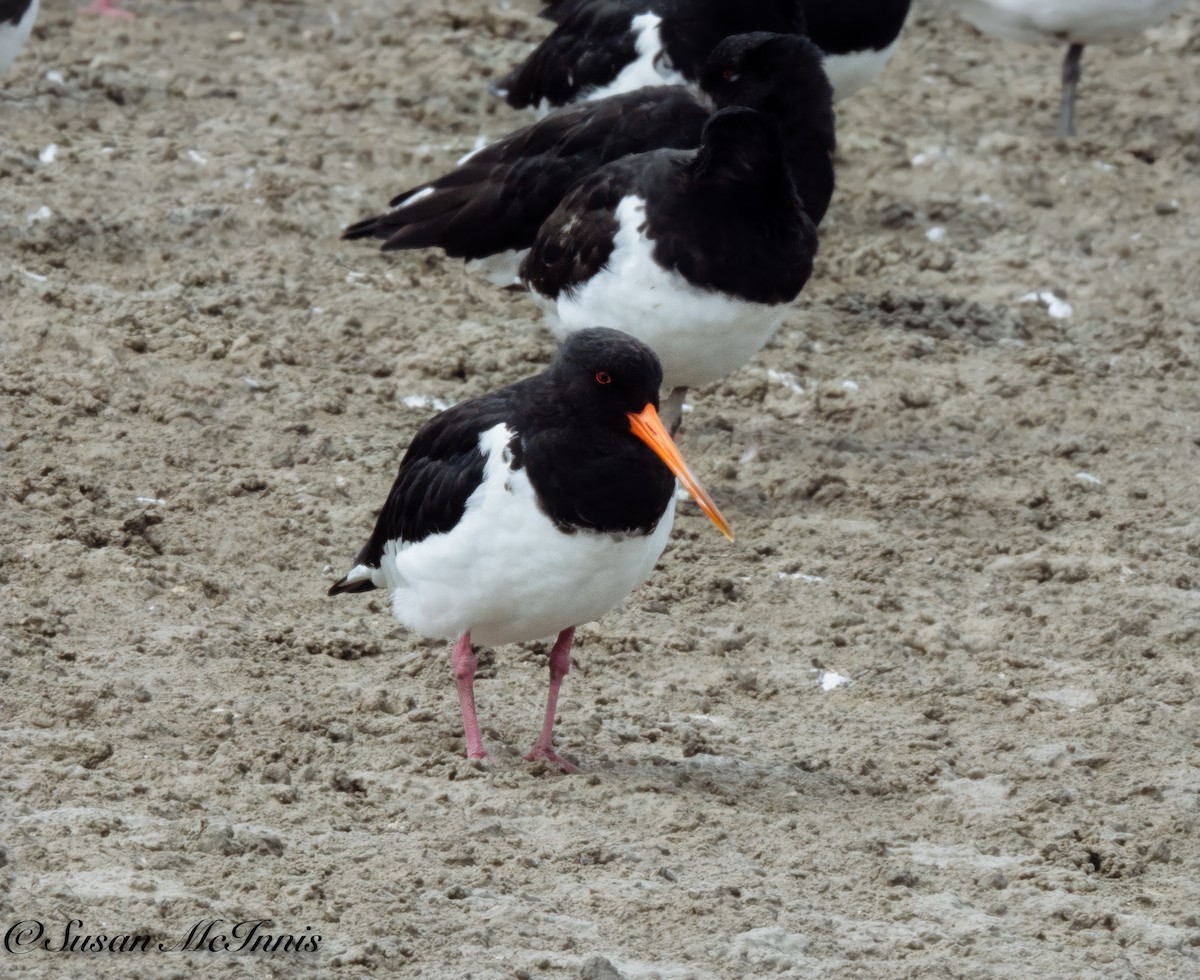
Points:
(603, 378)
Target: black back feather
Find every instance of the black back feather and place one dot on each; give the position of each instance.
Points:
(441, 469)
(846, 26)
(497, 199)
(11, 11)
(587, 50)
(594, 41)
(835, 26)
(726, 217)
(781, 76)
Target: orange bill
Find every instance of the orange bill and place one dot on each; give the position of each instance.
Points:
(647, 427)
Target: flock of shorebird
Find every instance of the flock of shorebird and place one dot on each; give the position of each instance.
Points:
(664, 211)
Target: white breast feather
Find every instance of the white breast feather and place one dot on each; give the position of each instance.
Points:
(506, 572)
(700, 335)
(14, 36)
(848, 73)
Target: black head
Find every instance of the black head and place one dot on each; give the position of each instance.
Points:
(759, 70)
(742, 147)
(606, 374)
(609, 380)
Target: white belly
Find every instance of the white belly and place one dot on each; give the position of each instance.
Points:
(699, 335)
(506, 573)
(850, 72)
(1065, 21)
(501, 269)
(14, 36)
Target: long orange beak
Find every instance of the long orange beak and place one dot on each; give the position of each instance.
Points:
(647, 427)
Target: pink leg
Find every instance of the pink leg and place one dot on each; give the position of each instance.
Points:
(105, 8)
(560, 664)
(462, 662)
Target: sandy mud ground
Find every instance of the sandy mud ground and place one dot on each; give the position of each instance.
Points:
(985, 518)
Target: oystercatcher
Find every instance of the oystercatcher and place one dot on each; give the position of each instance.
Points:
(529, 511)
(490, 207)
(16, 24)
(604, 47)
(1074, 22)
(695, 252)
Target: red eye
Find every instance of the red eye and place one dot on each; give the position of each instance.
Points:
(603, 378)
(729, 74)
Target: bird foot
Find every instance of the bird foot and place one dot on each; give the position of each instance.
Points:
(547, 754)
(104, 8)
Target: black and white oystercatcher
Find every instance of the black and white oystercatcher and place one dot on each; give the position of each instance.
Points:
(529, 511)
(490, 207)
(604, 47)
(695, 252)
(1075, 23)
(16, 24)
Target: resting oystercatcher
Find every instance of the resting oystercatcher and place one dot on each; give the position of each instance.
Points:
(16, 24)
(528, 511)
(491, 206)
(695, 252)
(604, 47)
(1073, 22)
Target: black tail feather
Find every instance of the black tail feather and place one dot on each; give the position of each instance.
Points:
(367, 228)
(343, 585)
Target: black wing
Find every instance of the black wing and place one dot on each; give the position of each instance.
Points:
(11, 11)
(556, 10)
(735, 223)
(845, 26)
(576, 240)
(689, 29)
(441, 469)
(589, 47)
(496, 200)
(726, 218)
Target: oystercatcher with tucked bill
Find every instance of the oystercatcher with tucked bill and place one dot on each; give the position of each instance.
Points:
(529, 511)
(488, 209)
(695, 252)
(605, 47)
